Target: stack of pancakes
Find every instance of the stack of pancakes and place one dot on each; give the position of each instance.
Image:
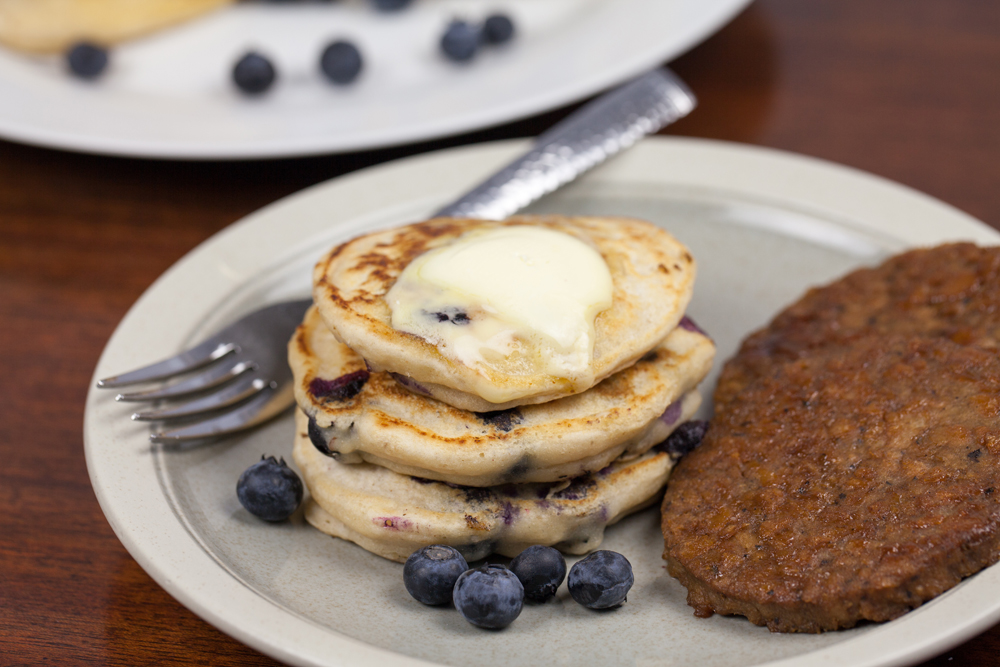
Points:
(399, 451)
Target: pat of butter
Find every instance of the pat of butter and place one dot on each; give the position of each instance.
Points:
(520, 300)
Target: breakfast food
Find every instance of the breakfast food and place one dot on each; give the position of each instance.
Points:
(341, 62)
(52, 26)
(853, 483)
(392, 515)
(394, 468)
(461, 40)
(950, 291)
(601, 580)
(371, 417)
(651, 274)
(430, 573)
(492, 596)
(851, 469)
(269, 489)
(86, 60)
(489, 596)
(85, 30)
(254, 73)
(540, 570)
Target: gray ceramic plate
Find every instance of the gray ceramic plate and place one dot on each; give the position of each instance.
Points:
(763, 226)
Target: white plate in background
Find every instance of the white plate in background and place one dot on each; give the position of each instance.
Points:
(170, 95)
(762, 225)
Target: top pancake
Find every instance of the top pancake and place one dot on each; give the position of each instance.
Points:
(949, 291)
(652, 273)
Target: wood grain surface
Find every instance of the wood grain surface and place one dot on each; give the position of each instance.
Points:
(905, 89)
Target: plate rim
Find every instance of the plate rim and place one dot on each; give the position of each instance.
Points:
(156, 537)
(40, 129)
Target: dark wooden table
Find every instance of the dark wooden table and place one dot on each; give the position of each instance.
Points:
(906, 89)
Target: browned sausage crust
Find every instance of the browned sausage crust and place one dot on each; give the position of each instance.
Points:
(950, 291)
(853, 483)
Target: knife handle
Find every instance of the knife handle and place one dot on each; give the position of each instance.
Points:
(591, 134)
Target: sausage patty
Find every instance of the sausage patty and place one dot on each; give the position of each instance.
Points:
(854, 482)
(950, 291)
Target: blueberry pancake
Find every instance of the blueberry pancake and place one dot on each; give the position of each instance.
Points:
(557, 303)
(393, 515)
(358, 415)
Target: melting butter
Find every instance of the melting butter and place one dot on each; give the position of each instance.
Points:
(520, 300)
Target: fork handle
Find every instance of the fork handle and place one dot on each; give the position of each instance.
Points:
(591, 134)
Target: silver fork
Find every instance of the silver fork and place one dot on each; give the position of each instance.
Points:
(240, 377)
(242, 368)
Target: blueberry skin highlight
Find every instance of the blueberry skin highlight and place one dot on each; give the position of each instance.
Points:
(460, 41)
(270, 490)
(540, 570)
(86, 60)
(341, 62)
(253, 73)
(430, 573)
(601, 580)
(490, 596)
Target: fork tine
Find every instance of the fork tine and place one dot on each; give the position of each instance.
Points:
(274, 319)
(258, 409)
(213, 377)
(230, 395)
(196, 357)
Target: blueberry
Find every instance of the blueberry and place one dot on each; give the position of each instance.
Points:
(430, 573)
(490, 596)
(390, 5)
(318, 439)
(269, 489)
(86, 60)
(340, 62)
(460, 41)
(685, 437)
(601, 580)
(342, 388)
(453, 315)
(540, 570)
(253, 73)
(497, 29)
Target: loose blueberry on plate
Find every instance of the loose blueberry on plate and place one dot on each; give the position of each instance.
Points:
(490, 596)
(540, 570)
(269, 489)
(601, 580)
(430, 573)
(390, 5)
(460, 41)
(341, 62)
(253, 73)
(86, 60)
(497, 29)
